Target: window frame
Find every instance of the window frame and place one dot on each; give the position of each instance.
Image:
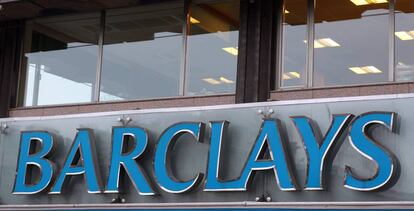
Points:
(310, 28)
(95, 97)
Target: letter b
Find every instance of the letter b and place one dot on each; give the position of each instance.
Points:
(28, 157)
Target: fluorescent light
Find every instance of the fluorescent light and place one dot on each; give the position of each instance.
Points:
(290, 75)
(366, 2)
(365, 70)
(232, 50)
(318, 45)
(295, 74)
(402, 65)
(225, 80)
(212, 81)
(221, 80)
(194, 21)
(324, 43)
(405, 35)
(286, 77)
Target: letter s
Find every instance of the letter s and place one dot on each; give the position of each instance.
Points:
(387, 164)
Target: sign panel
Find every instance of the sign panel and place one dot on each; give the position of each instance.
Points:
(330, 150)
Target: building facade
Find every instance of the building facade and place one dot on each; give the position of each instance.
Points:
(72, 71)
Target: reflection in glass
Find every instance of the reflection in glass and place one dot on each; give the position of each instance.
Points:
(351, 42)
(62, 56)
(212, 47)
(142, 52)
(404, 40)
(294, 43)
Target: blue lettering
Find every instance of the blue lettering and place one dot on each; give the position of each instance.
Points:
(161, 159)
(38, 159)
(320, 151)
(387, 165)
(80, 160)
(278, 162)
(127, 160)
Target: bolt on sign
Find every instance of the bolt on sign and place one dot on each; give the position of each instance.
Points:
(353, 150)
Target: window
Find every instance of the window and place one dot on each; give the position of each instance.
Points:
(404, 40)
(142, 53)
(351, 43)
(212, 47)
(354, 42)
(295, 19)
(150, 51)
(61, 55)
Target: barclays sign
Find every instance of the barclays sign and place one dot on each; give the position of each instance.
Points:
(320, 150)
(352, 150)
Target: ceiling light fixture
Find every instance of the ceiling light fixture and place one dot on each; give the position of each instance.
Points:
(221, 80)
(365, 70)
(324, 43)
(290, 75)
(225, 80)
(367, 2)
(212, 81)
(405, 35)
(231, 50)
(194, 21)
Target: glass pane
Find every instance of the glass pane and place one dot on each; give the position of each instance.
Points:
(294, 43)
(142, 52)
(404, 40)
(62, 55)
(212, 47)
(351, 42)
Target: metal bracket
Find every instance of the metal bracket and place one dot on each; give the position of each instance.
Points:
(124, 120)
(263, 198)
(267, 114)
(3, 128)
(118, 200)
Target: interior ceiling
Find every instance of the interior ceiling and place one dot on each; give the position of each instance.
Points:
(22, 9)
(336, 10)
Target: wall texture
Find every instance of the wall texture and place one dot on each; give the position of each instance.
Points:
(10, 48)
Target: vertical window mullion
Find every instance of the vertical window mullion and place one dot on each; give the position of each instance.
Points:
(280, 45)
(310, 42)
(97, 85)
(183, 71)
(392, 41)
(36, 86)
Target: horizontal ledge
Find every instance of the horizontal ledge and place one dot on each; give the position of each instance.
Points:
(215, 107)
(223, 205)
